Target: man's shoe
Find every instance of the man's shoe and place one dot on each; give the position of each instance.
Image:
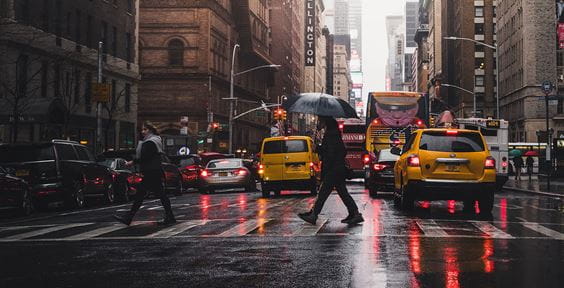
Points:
(309, 217)
(356, 219)
(123, 219)
(167, 221)
(347, 219)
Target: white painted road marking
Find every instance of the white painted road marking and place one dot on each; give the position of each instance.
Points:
(431, 228)
(42, 231)
(491, 230)
(543, 230)
(310, 230)
(95, 232)
(177, 229)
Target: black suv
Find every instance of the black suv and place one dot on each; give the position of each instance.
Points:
(59, 171)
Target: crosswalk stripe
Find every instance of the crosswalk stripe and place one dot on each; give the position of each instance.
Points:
(42, 231)
(543, 230)
(491, 230)
(310, 230)
(177, 229)
(368, 227)
(431, 228)
(244, 228)
(95, 232)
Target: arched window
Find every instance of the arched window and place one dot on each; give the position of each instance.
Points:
(175, 52)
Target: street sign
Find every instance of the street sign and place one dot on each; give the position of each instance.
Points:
(100, 92)
(184, 151)
(492, 124)
(183, 130)
(546, 86)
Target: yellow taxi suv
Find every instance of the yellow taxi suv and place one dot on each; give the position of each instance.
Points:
(445, 164)
(288, 163)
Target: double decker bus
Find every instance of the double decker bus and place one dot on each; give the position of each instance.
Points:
(354, 135)
(391, 117)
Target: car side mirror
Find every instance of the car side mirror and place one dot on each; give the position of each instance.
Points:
(395, 151)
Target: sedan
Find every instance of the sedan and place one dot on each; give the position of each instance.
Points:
(382, 173)
(15, 194)
(122, 175)
(226, 173)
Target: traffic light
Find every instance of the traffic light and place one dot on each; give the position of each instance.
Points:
(215, 126)
(432, 121)
(279, 114)
(284, 115)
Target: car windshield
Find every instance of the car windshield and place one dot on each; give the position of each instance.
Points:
(225, 164)
(107, 162)
(14, 154)
(456, 141)
(386, 156)
(285, 146)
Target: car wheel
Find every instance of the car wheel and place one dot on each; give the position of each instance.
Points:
(110, 194)
(26, 207)
(373, 191)
(76, 196)
(406, 202)
(486, 203)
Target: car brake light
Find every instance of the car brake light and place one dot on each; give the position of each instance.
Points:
(452, 132)
(379, 167)
(490, 163)
(366, 158)
(261, 166)
(419, 122)
(375, 121)
(134, 179)
(241, 172)
(413, 161)
(341, 126)
(204, 173)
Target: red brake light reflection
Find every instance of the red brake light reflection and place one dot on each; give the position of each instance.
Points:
(452, 132)
(379, 167)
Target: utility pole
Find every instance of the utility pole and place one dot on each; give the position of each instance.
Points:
(547, 88)
(98, 146)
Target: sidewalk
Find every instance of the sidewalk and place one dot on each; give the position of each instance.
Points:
(536, 186)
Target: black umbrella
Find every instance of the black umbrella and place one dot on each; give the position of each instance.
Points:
(319, 104)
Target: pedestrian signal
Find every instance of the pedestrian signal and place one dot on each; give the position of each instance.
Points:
(284, 114)
(279, 114)
(215, 126)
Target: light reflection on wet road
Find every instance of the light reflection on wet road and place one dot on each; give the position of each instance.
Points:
(241, 240)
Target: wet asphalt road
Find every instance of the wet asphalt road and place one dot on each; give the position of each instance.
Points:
(234, 239)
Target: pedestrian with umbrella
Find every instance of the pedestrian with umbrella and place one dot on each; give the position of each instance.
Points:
(517, 163)
(530, 162)
(332, 150)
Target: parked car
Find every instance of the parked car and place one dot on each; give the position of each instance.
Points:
(445, 164)
(173, 178)
(15, 194)
(226, 173)
(382, 173)
(190, 167)
(124, 184)
(59, 171)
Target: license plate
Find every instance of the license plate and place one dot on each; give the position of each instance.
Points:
(453, 168)
(21, 173)
(296, 167)
(223, 174)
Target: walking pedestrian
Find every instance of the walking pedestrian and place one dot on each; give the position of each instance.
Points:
(148, 157)
(530, 162)
(518, 163)
(332, 153)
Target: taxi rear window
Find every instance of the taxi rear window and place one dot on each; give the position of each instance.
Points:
(441, 141)
(285, 146)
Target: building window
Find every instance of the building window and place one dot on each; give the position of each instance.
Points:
(128, 47)
(113, 91)
(69, 19)
(104, 37)
(44, 77)
(77, 86)
(57, 81)
(58, 22)
(21, 72)
(130, 6)
(89, 31)
(479, 12)
(127, 104)
(114, 41)
(479, 63)
(175, 53)
(479, 81)
(88, 93)
(77, 28)
(22, 11)
(479, 29)
(46, 14)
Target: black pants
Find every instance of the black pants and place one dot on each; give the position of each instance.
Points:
(328, 183)
(152, 181)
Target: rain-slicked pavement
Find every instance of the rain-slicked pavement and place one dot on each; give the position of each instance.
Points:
(241, 240)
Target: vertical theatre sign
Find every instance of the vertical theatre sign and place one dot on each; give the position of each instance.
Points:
(310, 33)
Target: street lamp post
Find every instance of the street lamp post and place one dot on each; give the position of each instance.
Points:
(231, 88)
(496, 52)
(467, 91)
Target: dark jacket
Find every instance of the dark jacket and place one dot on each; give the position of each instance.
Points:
(332, 154)
(518, 161)
(150, 159)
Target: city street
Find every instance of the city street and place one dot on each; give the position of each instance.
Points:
(237, 239)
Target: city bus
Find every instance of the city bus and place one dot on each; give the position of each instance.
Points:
(496, 134)
(391, 117)
(354, 135)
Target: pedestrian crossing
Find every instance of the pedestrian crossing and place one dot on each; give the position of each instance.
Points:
(269, 227)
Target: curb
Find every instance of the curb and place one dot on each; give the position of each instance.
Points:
(532, 192)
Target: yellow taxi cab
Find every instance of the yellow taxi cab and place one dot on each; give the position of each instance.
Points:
(445, 164)
(288, 163)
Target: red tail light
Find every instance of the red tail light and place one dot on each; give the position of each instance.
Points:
(205, 173)
(241, 172)
(419, 122)
(452, 132)
(379, 167)
(413, 161)
(490, 163)
(134, 179)
(366, 158)
(261, 166)
(260, 169)
(341, 126)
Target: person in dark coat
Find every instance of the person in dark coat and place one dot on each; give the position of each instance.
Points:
(148, 157)
(518, 163)
(530, 162)
(333, 170)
